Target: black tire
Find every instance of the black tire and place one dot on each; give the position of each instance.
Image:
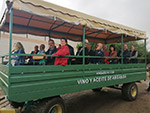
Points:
(53, 105)
(97, 90)
(130, 91)
(16, 104)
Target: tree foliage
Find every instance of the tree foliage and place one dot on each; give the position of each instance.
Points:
(148, 57)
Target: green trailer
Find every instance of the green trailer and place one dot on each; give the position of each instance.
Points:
(44, 84)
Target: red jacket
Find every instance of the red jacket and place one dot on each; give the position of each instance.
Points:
(62, 51)
(106, 60)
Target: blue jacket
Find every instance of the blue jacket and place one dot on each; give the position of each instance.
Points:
(19, 59)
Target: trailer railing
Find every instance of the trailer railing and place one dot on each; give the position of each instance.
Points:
(71, 56)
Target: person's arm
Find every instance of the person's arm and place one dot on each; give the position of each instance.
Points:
(21, 51)
(72, 51)
(79, 51)
(15, 57)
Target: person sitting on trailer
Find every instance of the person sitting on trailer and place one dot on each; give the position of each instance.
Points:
(106, 54)
(33, 52)
(113, 53)
(42, 49)
(41, 59)
(126, 54)
(119, 55)
(19, 49)
(99, 52)
(133, 54)
(80, 53)
(90, 53)
(62, 51)
(52, 49)
(71, 50)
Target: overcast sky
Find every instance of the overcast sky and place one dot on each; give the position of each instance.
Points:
(133, 13)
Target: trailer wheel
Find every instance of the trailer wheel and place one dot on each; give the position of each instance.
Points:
(53, 105)
(16, 104)
(130, 91)
(97, 90)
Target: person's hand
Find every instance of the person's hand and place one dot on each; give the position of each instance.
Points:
(73, 59)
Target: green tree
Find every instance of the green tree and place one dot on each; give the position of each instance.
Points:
(148, 57)
(139, 46)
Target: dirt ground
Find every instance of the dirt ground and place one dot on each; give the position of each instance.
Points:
(107, 101)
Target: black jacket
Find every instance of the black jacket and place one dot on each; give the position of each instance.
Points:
(71, 49)
(80, 53)
(99, 60)
(50, 61)
(126, 54)
(133, 54)
(91, 53)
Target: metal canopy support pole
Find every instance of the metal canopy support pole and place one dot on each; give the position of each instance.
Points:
(10, 35)
(45, 38)
(83, 45)
(0, 34)
(145, 52)
(122, 49)
(2, 60)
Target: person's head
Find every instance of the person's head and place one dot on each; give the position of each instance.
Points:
(64, 41)
(86, 43)
(14, 47)
(99, 46)
(112, 48)
(42, 47)
(18, 46)
(51, 43)
(104, 47)
(132, 48)
(36, 48)
(125, 47)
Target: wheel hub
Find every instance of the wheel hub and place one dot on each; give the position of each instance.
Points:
(56, 109)
(133, 92)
